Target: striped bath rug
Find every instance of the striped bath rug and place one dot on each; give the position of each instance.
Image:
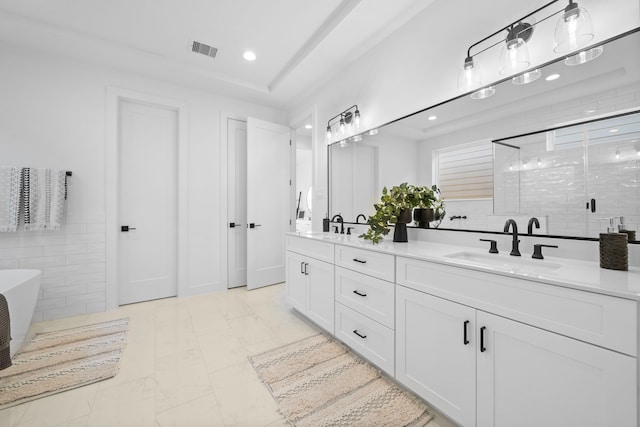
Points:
(52, 362)
(319, 382)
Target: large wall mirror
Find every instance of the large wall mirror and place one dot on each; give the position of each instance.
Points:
(564, 148)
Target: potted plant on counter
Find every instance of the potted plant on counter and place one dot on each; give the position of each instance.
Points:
(396, 206)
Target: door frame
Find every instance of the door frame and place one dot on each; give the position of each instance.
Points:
(114, 96)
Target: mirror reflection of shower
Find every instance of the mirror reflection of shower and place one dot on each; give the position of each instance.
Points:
(304, 193)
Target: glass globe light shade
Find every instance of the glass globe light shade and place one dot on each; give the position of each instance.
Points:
(483, 93)
(573, 30)
(514, 57)
(469, 77)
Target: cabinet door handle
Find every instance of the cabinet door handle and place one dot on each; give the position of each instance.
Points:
(482, 347)
(359, 293)
(302, 267)
(360, 261)
(306, 264)
(464, 328)
(355, 331)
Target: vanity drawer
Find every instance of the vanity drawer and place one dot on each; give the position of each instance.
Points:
(313, 248)
(372, 340)
(367, 295)
(603, 320)
(374, 264)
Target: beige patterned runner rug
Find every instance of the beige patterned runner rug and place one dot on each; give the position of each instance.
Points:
(318, 382)
(52, 362)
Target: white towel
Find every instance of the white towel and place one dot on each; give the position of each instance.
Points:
(43, 195)
(10, 183)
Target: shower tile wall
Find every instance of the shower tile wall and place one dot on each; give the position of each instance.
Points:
(558, 188)
(72, 261)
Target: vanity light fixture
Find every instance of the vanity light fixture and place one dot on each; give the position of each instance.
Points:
(552, 77)
(373, 132)
(348, 124)
(574, 31)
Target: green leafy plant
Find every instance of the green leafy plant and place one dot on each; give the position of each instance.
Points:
(398, 198)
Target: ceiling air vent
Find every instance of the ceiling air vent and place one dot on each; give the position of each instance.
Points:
(204, 49)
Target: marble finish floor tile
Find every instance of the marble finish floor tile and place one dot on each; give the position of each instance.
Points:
(185, 364)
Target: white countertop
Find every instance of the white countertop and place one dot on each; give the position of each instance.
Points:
(577, 274)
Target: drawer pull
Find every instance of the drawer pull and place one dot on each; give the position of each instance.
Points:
(482, 347)
(466, 339)
(360, 261)
(359, 293)
(355, 331)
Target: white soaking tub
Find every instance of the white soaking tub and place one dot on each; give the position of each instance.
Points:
(20, 288)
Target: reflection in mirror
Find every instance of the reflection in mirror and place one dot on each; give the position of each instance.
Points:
(415, 149)
(303, 176)
(574, 178)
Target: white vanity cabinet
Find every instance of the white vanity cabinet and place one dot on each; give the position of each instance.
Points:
(310, 278)
(484, 369)
(364, 292)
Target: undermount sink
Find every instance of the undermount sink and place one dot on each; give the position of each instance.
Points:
(506, 263)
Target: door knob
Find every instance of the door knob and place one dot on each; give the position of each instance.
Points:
(126, 228)
(234, 225)
(253, 225)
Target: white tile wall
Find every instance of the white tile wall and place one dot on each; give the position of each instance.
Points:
(72, 261)
(561, 184)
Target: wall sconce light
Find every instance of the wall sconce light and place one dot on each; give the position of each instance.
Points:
(348, 124)
(573, 31)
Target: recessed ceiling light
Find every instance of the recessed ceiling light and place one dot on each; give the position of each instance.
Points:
(614, 130)
(552, 77)
(591, 111)
(433, 117)
(249, 56)
(308, 126)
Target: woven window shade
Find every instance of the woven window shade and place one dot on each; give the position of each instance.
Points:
(466, 172)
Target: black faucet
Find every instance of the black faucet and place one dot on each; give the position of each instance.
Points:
(533, 221)
(340, 220)
(363, 217)
(514, 246)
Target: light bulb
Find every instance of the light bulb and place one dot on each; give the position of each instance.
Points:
(617, 155)
(539, 162)
(342, 126)
(329, 133)
(514, 57)
(356, 120)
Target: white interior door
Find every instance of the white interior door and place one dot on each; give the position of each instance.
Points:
(237, 203)
(147, 200)
(268, 201)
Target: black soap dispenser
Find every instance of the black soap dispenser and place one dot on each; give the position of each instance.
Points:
(614, 253)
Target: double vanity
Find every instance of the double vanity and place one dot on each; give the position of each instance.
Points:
(486, 339)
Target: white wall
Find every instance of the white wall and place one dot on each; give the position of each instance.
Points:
(303, 176)
(417, 66)
(53, 114)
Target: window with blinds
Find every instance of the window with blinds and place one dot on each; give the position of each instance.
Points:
(465, 171)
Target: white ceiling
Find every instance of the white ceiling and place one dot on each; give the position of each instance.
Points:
(299, 43)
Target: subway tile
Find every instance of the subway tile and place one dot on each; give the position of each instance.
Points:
(62, 270)
(85, 278)
(40, 262)
(96, 287)
(96, 307)
(96, 228)
(74, 228)
(63, 291)
(64, 249)
(85, 298)
(96, 248)
(86, 238)
(17, 253)
(50, 304)
(85, 258)
(8, 264)
(96, 267)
